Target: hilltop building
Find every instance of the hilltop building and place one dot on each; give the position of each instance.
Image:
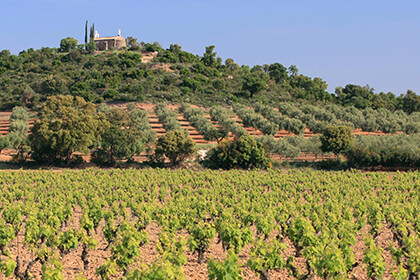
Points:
(106, 43)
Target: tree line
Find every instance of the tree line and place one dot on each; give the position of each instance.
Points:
(68, 127)
(31, 76)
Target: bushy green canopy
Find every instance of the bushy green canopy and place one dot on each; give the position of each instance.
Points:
(66, 124)
(127, 135)
(336, 139)
(244, 152)
(176, 146)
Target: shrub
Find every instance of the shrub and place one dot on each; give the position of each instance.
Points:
(250, 154)
(244, 152)
(336, 139)
(221, 156)
(176, 146)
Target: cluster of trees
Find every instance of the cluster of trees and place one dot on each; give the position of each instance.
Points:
(175, 54)
(70, 44)
(283, 147)
(291, 147)
(316, 118)
(196, 118)
(69, 125)
(400, 151)
(32, 75)
(252, 119)
(361, 151)
(223, 118)
(293, 125)
(365, 97)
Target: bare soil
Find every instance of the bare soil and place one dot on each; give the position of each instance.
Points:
(73, 265)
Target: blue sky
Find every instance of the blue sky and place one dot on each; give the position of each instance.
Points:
(359, 42)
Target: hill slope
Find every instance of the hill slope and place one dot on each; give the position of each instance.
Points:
(153, 74)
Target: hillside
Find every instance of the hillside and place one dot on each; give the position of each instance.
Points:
(269, 102)
(289, 132)
(149, 73)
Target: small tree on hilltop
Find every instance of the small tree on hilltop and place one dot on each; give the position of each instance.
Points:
(209, 57)
(176, 146)
(66, 124)
(336, 139)
(68, 44)
(132, 44)
(253, 83)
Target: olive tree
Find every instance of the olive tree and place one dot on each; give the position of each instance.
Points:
(18, 131)
(127, 135)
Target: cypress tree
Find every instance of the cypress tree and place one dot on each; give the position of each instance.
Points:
(86, 34)
(92, 31)
(91, 35)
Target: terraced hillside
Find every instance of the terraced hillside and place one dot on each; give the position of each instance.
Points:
(200, 139)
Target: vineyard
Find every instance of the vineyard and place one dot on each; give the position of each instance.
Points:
(183, 224)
